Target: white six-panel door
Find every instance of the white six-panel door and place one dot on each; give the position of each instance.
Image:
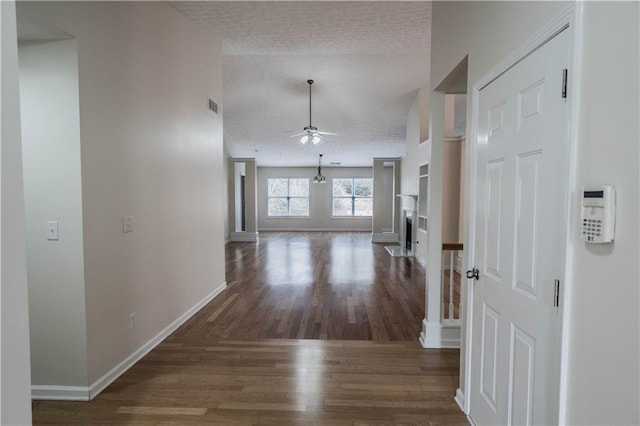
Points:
(522, 156)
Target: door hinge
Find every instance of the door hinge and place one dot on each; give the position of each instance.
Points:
(556, 293)
(565, 77)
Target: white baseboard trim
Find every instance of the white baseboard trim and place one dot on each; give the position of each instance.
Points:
(250, 237)
(435, 336)
(420, 259)
(368, 229)
(87, 393)
(384, 237)
(459, 398)
(60, 393)
(104, 381)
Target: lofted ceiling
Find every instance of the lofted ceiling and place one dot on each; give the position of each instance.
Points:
(367, 60)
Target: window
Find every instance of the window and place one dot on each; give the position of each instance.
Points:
(288, 196)
(352, 197)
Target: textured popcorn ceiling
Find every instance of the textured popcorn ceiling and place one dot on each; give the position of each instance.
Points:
(367, 60)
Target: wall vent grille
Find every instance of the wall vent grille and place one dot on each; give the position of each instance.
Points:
(213, 106)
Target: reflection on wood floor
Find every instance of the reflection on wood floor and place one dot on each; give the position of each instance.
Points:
(238, 362)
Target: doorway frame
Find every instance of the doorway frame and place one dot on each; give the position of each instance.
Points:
(570, 19)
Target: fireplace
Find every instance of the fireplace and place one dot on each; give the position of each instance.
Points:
(406, 237)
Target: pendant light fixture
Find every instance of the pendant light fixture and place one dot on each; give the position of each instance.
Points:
(319, 178)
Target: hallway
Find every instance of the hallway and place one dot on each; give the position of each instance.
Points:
(313, 329)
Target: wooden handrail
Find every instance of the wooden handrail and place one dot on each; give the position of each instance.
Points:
(452, 246)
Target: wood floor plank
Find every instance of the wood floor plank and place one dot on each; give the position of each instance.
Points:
(260, 406)
(162, 411)
(224, 306)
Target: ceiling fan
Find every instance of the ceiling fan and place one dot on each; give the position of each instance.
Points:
(310, 133)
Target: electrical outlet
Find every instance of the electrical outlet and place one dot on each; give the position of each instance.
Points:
(132, 320)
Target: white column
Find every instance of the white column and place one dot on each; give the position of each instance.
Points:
(434, 335)
(15, 373)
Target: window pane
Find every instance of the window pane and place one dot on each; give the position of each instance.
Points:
(278, 207)
(298, 187)
(363, 207)
(364, 187)
(342, 187)
(342, 207)
(299, 206)
(277, 187)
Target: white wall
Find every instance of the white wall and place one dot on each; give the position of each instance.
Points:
(417, 152)
(452, 150)
(151, 150)
(602, 297)
(320, 200)
(52, 191)
(604, 326)
(15, 392)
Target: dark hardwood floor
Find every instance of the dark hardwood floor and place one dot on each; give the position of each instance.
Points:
(317, 285)
(314, 329)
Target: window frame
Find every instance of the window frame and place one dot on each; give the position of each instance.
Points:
(288, 197)
(353, 197)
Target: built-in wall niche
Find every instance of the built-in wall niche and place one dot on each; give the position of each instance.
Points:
(422, 197)
(242, 199)
(240, 196)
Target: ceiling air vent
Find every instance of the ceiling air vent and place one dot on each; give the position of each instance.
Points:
(213, 106)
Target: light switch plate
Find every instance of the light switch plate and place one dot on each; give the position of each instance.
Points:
(127, 224)
(52, 230)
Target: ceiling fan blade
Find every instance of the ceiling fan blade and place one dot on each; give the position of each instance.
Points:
(328, 133)
(297, 134)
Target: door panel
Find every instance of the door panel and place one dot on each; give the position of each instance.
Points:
(489, 355)
(530, 102)
(492, 222)
(521, 373)
(522, 153)
(526, 223)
